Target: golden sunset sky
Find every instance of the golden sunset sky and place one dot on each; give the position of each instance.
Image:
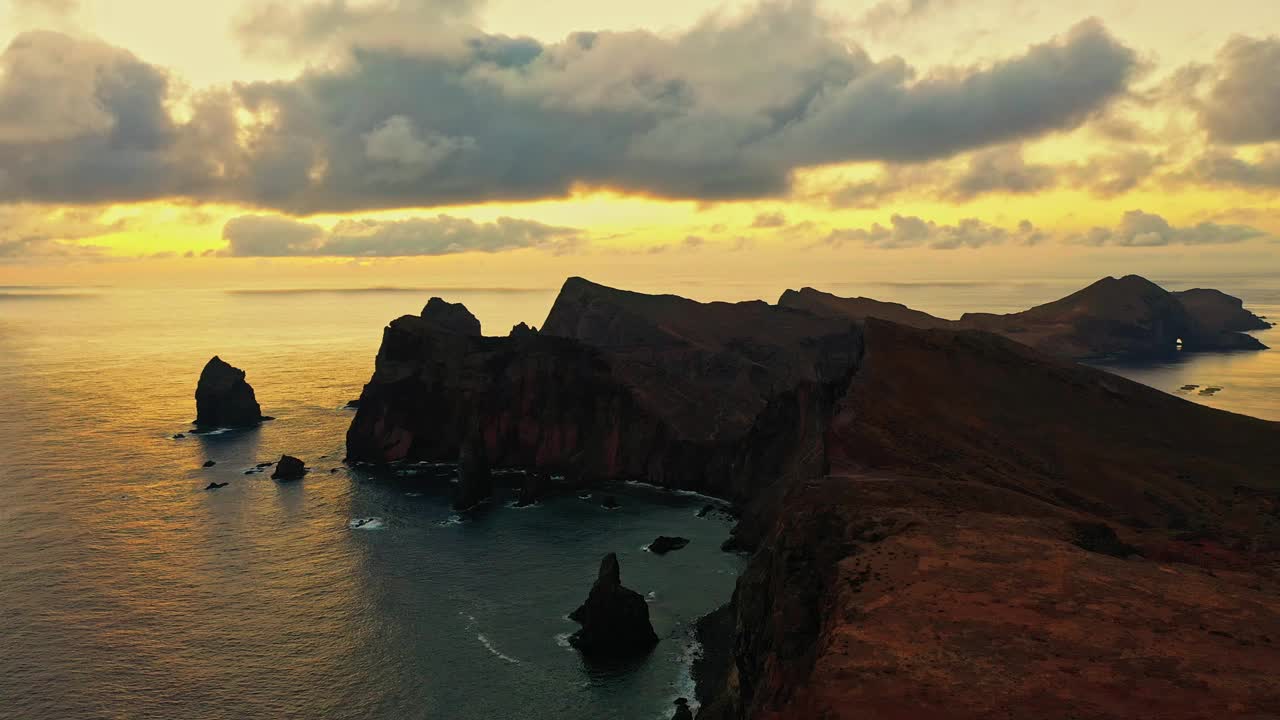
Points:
(513, 143)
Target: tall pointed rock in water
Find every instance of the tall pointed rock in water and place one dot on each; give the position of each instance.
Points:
(615, 620)
(475, 483)
(224, 399)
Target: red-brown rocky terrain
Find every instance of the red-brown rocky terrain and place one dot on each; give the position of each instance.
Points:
(944, 523)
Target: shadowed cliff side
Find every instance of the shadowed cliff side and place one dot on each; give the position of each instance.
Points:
(1125, 317)
(940, 569)
(721, 398)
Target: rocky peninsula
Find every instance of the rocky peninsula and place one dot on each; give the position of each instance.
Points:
(912, 494)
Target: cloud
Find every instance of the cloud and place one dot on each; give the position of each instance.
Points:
(1242, 104)
(892, 14)
(274, 236)
(84, 122)
(1141, 229)
(914, 232)
(1136, 229)
(1001, 169)
(276, 29)
(701, 114)
(37, 232)
(402, 156)
(769, 220)
(1219, 167)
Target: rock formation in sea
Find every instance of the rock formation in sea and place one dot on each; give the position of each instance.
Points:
(475, 481)
(209, 463)
(682, 710)
(917, 503)
(664, 544)
(533, 488)
(289, 468)
(615, 619)
(1129, 317)
(215, 485)
(224, 399)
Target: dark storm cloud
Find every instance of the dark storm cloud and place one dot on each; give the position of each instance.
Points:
(703, 114)
(769, 220)
(269, 236)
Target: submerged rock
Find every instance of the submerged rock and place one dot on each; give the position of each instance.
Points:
(179, 436)
(610, 503)
(664, 544)
(289, 468)
(615, 619)
(224, 399)
(215, 485)
(682, 710)
(475, 482)
(209, 463)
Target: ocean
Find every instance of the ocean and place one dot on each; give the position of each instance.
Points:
(129, 591)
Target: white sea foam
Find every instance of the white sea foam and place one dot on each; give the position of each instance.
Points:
(685, 686)
(685, 493)
(451, 520)
(515, 505)
(563, 640)
(371, 523)
(413, 494)
(496, 652)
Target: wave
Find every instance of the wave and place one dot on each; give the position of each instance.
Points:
(496, 652)
(451, 521)
(371, 523)
(562, 639)
(685, 686)
(675, 491)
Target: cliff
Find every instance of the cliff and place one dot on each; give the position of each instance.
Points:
(924, 505)
(717, 397)
(1114, 317)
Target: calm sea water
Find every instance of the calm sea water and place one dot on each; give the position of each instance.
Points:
(127, 591)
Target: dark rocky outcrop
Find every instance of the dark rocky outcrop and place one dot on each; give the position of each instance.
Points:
(718, 397)
(1128, 317)
(224, 399)
(209, 463)
(615, 619)
(682, 710)
(451, 317)
(909, 496)
(353, 404)
(533, 488)
(664, 544)
(289, 468)
(522, 330)
(610, 502)
(475, 480)
(215, 485)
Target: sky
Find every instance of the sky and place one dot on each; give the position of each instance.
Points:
(350, 142)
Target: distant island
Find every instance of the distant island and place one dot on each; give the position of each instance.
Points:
(947, 519)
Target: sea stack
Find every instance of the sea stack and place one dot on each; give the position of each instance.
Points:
(224, 399)
(475, 483)
(615, 620)
(289, 468)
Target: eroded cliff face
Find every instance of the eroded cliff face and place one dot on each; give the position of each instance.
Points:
(718, 398)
